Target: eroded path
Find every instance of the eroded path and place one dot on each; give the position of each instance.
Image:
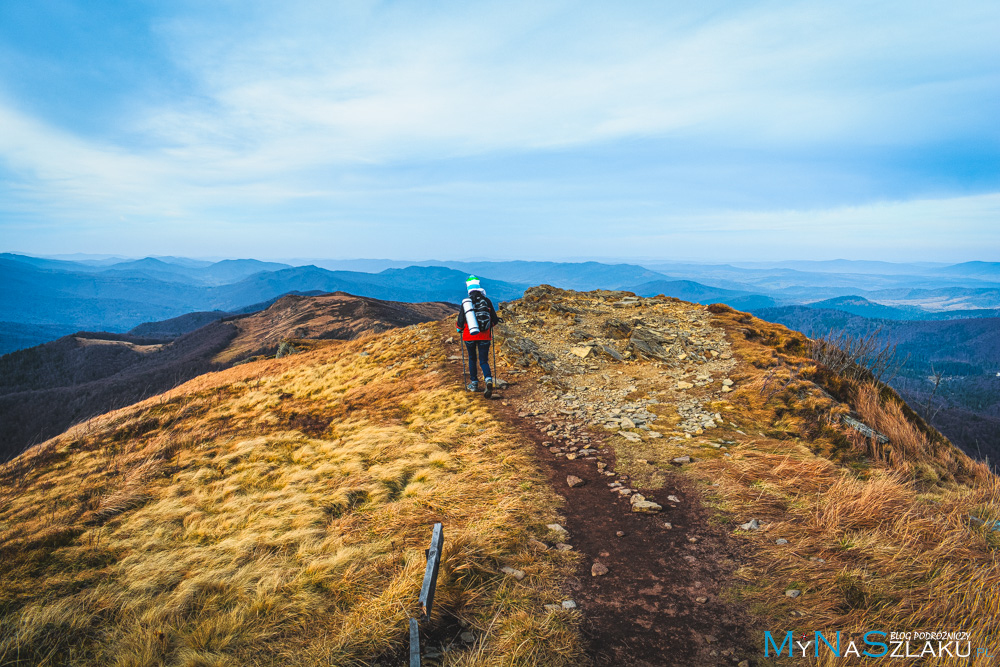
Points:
(616, 391)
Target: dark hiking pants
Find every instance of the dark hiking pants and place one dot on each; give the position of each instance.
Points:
(483, 348)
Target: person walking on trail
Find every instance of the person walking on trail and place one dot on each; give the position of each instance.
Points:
(478, 310)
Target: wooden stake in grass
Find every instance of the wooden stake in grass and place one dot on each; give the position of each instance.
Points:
(431, 573)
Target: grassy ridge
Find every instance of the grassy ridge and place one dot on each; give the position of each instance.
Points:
(880, 535)
(277, 513)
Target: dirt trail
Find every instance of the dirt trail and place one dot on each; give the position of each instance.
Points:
(662, 600)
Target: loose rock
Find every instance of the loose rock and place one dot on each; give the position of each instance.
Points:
(646, 507)
(574, 481)
(598, 569)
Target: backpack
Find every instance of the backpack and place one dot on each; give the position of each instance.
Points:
(482, 309)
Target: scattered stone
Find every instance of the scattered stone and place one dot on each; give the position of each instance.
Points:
(468, 637)
(537, 545)
(781, 541)
(681, 384)
(630, 436)
(752, 524)
(627, 423)
(668, 525)
(574, 481)
(581, 352)
(673, 499)
(646, 507)
(710, 639)
(682, 459)
(517, 574)
(620, 533)
(611, 352)
(598, 569)
(727, 383)
(562, 546)
(556, 527)
(692, 539)
(743, 663)
(553, 607)
(701, 599)
(793, 593)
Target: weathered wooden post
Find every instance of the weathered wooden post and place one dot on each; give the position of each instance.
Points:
(426, 598)
(414, 643)
(431, 572)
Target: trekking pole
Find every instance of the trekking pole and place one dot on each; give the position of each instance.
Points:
(461, 345)
(496, 370)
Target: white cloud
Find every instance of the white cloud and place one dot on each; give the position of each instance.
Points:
(306, 101)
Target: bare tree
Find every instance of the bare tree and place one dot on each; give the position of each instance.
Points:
(936, 377)
(859, 357)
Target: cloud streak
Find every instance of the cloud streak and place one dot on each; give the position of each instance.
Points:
(317, 112)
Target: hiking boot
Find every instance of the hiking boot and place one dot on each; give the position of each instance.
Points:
(473, 386)
(489, 388)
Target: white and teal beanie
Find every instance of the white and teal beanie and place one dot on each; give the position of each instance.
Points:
(472, 283)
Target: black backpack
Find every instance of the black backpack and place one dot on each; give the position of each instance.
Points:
(482, 309)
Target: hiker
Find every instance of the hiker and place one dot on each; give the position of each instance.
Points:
(478, 344)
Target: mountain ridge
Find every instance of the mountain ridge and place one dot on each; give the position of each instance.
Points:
(45, 389)
(651, 465)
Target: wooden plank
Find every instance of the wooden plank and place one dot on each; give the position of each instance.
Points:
(414, 644)
(431, 572)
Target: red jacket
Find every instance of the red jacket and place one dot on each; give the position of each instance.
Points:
(485, 335)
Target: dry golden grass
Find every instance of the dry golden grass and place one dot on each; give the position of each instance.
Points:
(890, 522)
(277, 514)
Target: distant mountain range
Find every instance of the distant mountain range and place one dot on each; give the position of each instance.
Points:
(46, 298)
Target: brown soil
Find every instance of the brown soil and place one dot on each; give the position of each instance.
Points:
(645, 610)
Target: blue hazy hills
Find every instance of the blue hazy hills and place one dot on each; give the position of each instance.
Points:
(44, 299)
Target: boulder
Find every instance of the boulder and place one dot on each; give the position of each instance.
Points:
(521, 351)
(616, 329)
(648, 343)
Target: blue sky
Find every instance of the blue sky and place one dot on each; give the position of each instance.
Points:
(508, 130)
